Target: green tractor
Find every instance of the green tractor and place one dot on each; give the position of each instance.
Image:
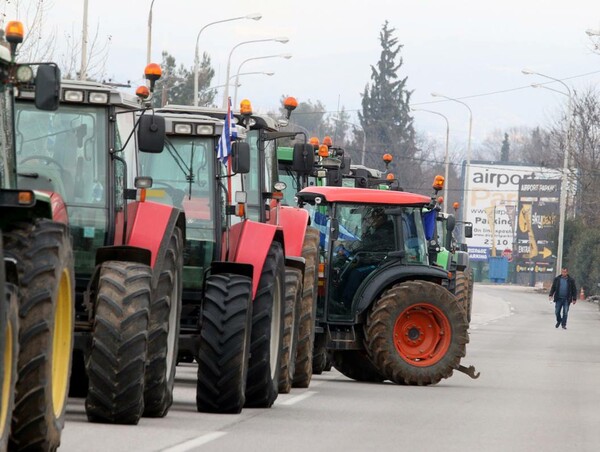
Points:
(37, 300)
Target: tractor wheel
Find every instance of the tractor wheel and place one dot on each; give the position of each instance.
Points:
(9, 329)
(293, 300)
(470, 294)
(308, 310)
(416, 333)
(268, 309)
(355, 364)
(319, 354)
(163, 331)
(46, 299)
(117, 361)
(461, 291)
(224, 344)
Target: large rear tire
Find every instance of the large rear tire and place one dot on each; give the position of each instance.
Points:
(416, 333)
(268, 310)
(308, 310)
(224, 344)
(9, 330)
(117, 361)
(355, 364)
(163, 331)
(293, 301)
(46, 299)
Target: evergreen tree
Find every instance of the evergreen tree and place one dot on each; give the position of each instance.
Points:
(504, 152)
(176, 86)
(386, 115)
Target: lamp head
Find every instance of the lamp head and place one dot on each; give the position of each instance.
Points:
(254, 16)
(527, 71)
(282, 39)
(434, 94)
(287, 56)
(591, 32)
(269, 73)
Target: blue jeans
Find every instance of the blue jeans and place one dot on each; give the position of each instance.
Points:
(561, 306)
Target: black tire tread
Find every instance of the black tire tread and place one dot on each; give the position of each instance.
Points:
(308, 311)
(262, 385)
(224, 344)
(158, 389)
(117, 361)
(43, 252)
(355, 364)
(289, 348)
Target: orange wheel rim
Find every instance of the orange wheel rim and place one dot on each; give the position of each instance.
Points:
(422, 334)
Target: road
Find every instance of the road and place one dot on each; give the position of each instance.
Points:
(539, 389)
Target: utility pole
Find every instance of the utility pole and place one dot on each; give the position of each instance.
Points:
(84, 39)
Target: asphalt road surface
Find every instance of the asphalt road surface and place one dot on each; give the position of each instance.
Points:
(539, 390)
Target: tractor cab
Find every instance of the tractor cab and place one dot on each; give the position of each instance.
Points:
(85, 151)
(362, 235)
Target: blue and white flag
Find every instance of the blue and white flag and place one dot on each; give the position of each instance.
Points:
(229, 132)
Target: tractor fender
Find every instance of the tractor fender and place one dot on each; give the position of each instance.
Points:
(380, 280)
(151, 227)
(293, 221)
(249, 243)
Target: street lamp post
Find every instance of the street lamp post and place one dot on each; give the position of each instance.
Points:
(468, 165)
(254, 16)
(286, 56)
(446, 157)
(282, 40)
(565, 179)
(149, 40)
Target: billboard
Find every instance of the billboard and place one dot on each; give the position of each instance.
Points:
(536, 225)
(492, 198)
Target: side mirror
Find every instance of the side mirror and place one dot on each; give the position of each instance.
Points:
(345, 166)
(240, 153)
(450, 223)
(303, 158)
(47, 87)
(468, 230)
(151, 133)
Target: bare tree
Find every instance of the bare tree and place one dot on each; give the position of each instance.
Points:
(98, 50)
(39, 41)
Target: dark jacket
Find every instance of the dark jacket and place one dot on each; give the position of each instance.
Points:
(572, 289)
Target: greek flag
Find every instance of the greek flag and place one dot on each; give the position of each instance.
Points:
(229, 132)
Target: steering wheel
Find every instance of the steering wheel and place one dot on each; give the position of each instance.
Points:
(353, 262)
(43, 158)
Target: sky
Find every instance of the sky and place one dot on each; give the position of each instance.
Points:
(462, 49)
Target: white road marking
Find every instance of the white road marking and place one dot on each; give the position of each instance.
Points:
(192, 443)
(299, 398)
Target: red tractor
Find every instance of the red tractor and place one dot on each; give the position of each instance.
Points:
(385, 312)
(128, 252)
(36, 276)
(251, 242)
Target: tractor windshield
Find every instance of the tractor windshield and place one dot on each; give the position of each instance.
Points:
(183, 176)
(367, 233)
(6, 142)
(66, 152)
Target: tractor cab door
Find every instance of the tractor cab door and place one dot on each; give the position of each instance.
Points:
(66, 152)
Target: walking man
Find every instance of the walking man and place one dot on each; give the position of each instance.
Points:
(564, 292)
